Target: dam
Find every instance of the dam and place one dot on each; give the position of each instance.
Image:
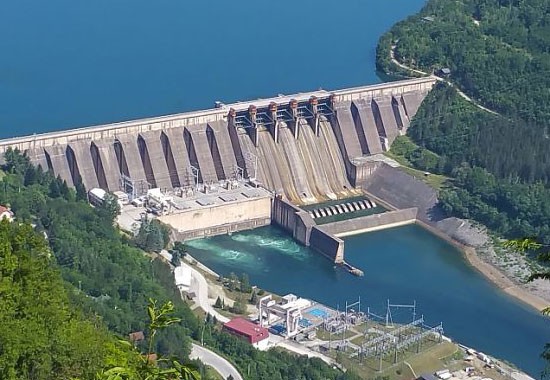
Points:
(304, 149)
(307, 146)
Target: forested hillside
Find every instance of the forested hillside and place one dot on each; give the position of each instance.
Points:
(493, 176)
(40, 334)
(108, 282)
(499, 54)
(498, 51)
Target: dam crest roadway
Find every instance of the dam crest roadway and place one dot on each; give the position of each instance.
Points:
(305, 147)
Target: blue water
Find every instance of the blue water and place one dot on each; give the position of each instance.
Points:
(402, 264)
(72, 63)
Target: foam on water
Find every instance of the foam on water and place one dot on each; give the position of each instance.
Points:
(243, 258)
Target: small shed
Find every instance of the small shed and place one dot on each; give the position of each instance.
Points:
(6, 213)
(136, 336)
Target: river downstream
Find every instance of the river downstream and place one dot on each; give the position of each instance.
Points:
(401, 264)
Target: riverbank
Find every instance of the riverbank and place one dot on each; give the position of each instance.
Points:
(509, 281)
(508, 271)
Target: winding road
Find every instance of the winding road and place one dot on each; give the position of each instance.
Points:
(458, 90)
(222, 366)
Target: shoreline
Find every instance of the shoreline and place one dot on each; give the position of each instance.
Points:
(491, 272)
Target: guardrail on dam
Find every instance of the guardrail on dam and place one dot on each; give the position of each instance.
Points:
(305, 147)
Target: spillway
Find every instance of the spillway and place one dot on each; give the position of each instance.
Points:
(267, 172)
(279, 170)
(307, 147)
(313, 161)
(334, 164)
(299, 174)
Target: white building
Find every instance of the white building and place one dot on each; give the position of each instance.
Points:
(182, 275)
(96, 196)
(5, 213)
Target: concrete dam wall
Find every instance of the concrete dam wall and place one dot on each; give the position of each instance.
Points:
(306, 147)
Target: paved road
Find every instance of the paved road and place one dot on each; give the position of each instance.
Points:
(199, 286)
(222, 366)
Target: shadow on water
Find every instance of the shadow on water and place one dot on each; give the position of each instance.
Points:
(401, 264)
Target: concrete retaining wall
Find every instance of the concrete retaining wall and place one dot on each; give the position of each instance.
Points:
(371, 222)
(222, 229)
(222, 217)
(293, 220)
(360, 171)
(303, 229)
(400, 190)
(328, 245)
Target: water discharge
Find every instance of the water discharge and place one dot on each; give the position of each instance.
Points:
(403, 264)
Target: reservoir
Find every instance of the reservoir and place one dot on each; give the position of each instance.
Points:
(75, 63)
(401, 264)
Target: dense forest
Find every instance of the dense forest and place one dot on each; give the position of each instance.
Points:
(498, 52)
(89, 279)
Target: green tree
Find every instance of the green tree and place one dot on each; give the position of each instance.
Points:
(233, 280)
(41, 337)
(245, 283)
(110, 207)
(219, 303)
(149, 365)
(542, 252)
(239, 306)
(254, 297)
(152, 235)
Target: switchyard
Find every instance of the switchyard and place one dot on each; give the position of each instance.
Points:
(373, 341)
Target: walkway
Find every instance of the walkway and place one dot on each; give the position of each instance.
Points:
(448, 82)
(199, 287)
(222, 366)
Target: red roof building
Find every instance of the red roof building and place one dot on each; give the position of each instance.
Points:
(254, 334)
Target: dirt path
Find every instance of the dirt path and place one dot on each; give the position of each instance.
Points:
(460, 92)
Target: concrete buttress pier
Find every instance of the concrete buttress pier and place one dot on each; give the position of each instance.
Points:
(307, 147)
